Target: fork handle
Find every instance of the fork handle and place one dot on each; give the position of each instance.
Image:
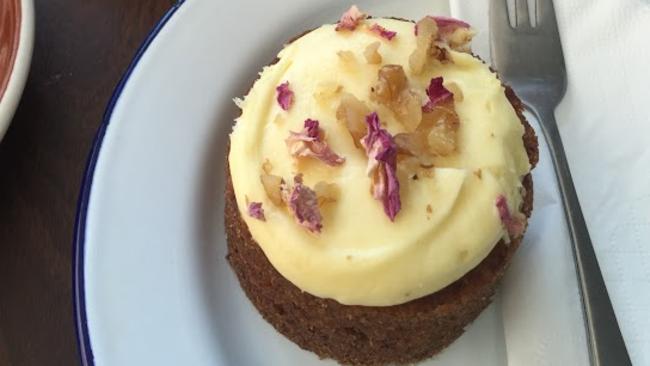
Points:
(604, 337)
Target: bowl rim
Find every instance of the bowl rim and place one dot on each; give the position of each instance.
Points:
(20, 69)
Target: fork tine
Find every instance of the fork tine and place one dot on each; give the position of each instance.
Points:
(546, 15)
(521, 13)
(499, 20)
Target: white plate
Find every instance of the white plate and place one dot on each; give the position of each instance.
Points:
(152, 286)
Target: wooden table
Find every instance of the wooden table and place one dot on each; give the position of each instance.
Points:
(81, 49)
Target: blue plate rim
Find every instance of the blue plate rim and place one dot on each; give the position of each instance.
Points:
(84, 346)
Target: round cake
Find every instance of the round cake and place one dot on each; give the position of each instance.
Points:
(378, 184)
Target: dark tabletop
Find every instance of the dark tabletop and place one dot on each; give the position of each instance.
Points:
(81, 48)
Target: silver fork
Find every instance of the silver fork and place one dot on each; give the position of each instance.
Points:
(530, 59)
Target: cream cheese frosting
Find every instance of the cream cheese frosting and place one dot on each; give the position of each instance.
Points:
(448, 221)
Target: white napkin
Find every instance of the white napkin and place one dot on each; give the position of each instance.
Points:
(606, 133)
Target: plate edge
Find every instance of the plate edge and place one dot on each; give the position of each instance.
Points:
(84, 347)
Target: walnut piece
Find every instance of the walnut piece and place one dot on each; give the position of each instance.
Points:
(353, 112)
(391, 90)
(326, 90)
(371, 53)
(273, 187)
(267, 166)
(326, 192)
(346, 57)
(427, 32)
(441, 127)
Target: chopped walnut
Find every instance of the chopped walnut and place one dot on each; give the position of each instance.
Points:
(426, 33)
(326, 90)
(267, 166)
(347, 57)
(273, 187)
(391, 82)
(279, 119)
(353, 112)
(436, 135)
(326, 192)
(441, 127)
(408, 165)
(391, 90)
(460, 39)
(371, 53)
(415, 144)
(439, 52)
(454, 33)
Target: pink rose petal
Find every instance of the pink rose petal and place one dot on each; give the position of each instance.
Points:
(437, 94)
(449, 23)
(350, 19)
(303, 203)
(255, 210)
(382, 32)
(284, 96)
(514, 225)
(382, 165)
(309, 143)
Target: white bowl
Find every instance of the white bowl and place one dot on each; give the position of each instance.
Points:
(19, 59)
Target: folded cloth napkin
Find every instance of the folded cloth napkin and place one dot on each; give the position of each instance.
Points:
(604, 124)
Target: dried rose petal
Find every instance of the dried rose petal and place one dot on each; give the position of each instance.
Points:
(255, 210)
(353, 113)
(303, 203)
(284, 96)
(382, 165)
(448, 24)
(350, 19)
(514, 225)
(273, 187)
(382, 32)
(437, 94)
(309, 142)
(371, 53)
